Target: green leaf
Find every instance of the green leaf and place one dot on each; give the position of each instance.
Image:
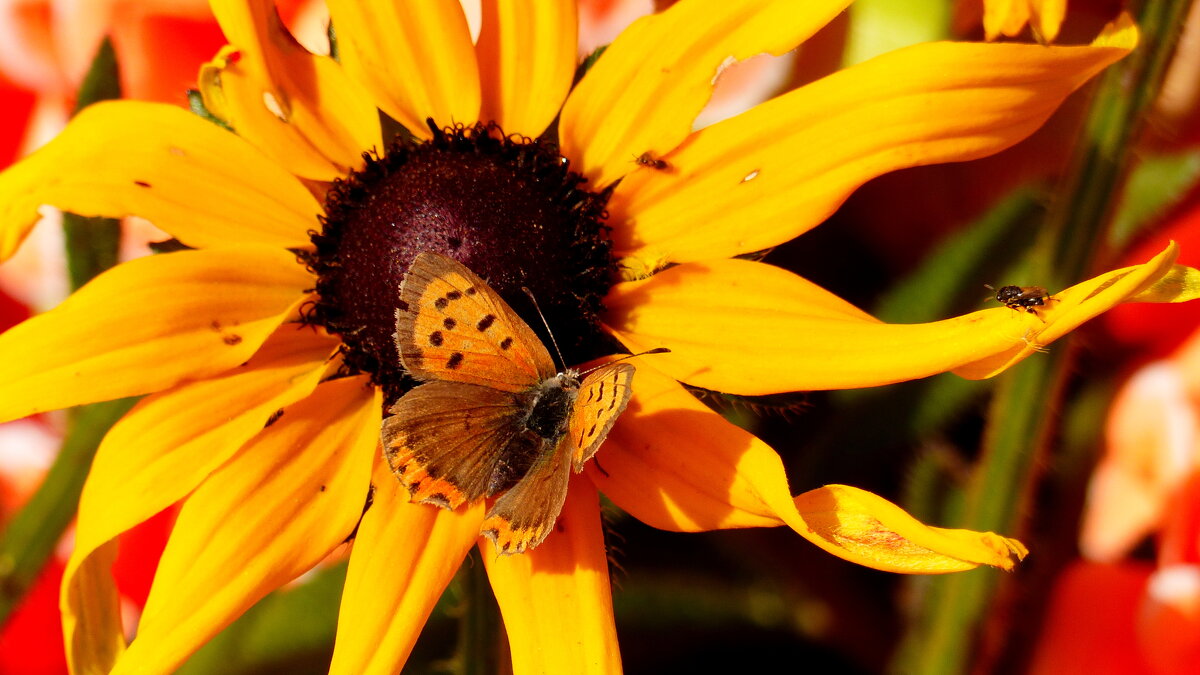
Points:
(878, 26)
(1156, 184)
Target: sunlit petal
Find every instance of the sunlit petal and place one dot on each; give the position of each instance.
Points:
(526, 61)
(190, 177)
(416, 58)
(555, 599)
(273, 511)
(1159, 279)
(750, 328)
(766, 176)
(147, 325)
(674, 464)
(393, 581)
(171, 441)
(647, 88)
(299, 108)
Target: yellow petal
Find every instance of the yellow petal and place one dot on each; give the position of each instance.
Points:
(555, 599)
(1004, 17)
(91, 614)
(300, 108)
(278, 507)
(855, 524)
(161, 450)
(1048, 16)
(190, 177)
(750, 328)
(676, 465)
(647, 88)
(770, 174)
(1180, 284)
(148, 324)
(1067, 310)
(526, 61)
(416, 58)
(392, 584)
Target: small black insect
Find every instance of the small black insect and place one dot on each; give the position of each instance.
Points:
(1028, 298)
(646, 159)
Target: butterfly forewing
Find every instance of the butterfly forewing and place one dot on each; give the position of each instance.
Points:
(603, 394)
(445, 440)
(452, 326)
(522, 518)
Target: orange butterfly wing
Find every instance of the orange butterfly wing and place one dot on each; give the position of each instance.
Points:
(452, 326)
(603, 395)
(524, 515)
(450, 443)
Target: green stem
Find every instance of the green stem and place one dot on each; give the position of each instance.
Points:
(480, 626)
(1015, 442)
(29, 538)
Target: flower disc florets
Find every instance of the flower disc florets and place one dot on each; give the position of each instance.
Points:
(507, 207)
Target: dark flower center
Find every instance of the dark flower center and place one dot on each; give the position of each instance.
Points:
(508, 208)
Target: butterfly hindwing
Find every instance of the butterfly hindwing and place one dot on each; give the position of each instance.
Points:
(452, 326)
(524, 515)
(446, 440)
(603, 395)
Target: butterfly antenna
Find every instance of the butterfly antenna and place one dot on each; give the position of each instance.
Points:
(562, 363)
(656, 350)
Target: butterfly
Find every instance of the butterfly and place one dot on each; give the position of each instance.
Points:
(492, 415)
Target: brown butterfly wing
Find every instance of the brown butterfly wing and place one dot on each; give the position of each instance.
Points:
(524, 515)
(603, 395)
(446, 441)
(452, 326)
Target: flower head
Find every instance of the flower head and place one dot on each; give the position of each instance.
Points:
(264, 349)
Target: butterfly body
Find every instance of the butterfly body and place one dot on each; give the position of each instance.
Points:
(493, 415)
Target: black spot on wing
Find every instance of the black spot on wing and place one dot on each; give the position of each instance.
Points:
(453, 295)
(449, 323)
(506, 343)
(436, 339)
(486, 322)
(454, 361)
(441, 303)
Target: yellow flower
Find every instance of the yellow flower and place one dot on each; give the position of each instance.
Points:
(265, 378)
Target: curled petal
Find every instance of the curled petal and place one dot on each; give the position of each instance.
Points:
(527, 58)
(1066, 310)
(555, 599)
(768, 175)
(300, 108)
(416, 58)
(855, 524)
(91, 613)
(652, 81)
(191, 178)
(149, 324)
(279, 506)
(673, 463)
(392, 584)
